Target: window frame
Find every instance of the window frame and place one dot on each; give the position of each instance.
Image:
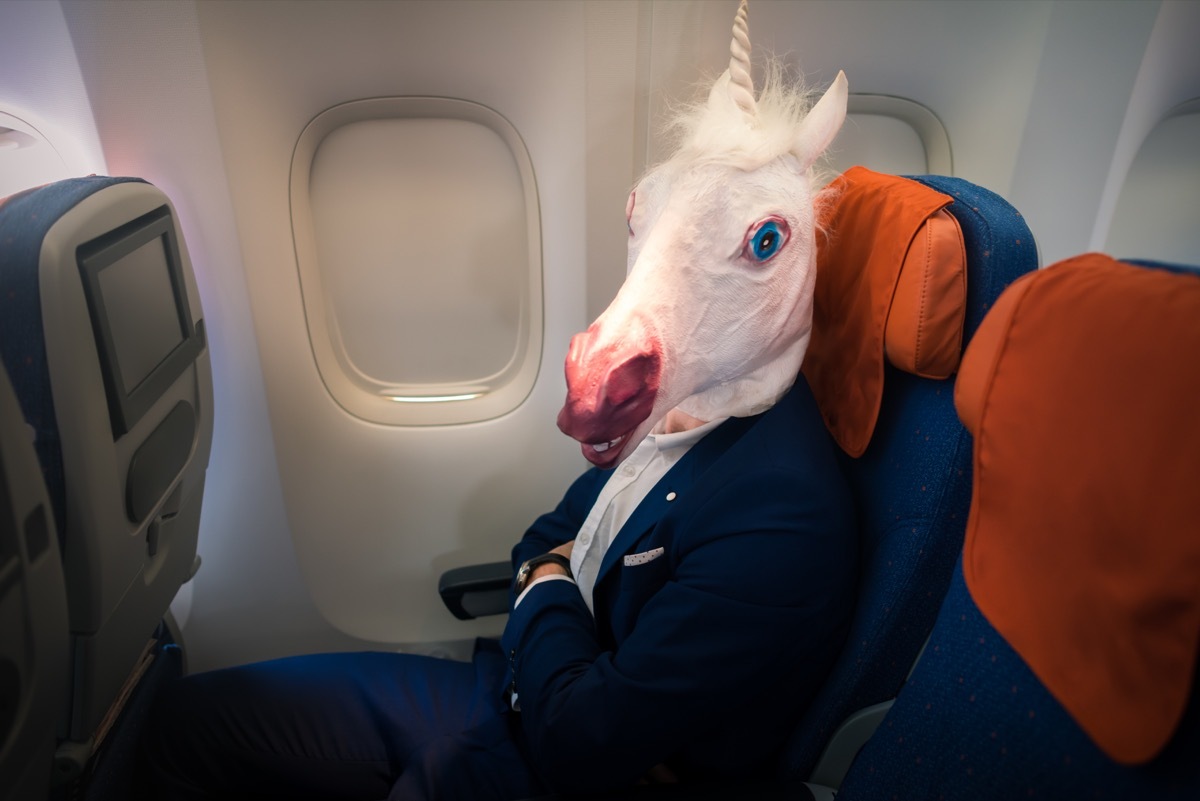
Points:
(939, 158)
(425, 404)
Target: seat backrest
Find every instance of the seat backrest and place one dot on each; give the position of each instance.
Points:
(33, 614)
(910, 471)
(102, 334)
(1064, 661)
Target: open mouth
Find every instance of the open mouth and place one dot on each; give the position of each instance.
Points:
(603, 454)
(603, 446)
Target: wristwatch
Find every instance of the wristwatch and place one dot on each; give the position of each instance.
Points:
(526, 569)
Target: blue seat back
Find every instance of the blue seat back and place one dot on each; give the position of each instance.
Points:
(974, 720)
(912, 488)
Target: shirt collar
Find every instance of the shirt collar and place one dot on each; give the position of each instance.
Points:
(684, 439)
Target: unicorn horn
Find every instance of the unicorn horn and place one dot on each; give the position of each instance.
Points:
(741, 86)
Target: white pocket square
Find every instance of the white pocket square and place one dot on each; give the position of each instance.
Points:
(644, 557)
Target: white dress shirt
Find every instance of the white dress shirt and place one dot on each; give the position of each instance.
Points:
(625, 489)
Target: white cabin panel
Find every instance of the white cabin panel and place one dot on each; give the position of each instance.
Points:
(1158, 211)
(979, 85)
(46, 127)
(1167, 85)
(376, 512)
(1086, 77)
(322, 530)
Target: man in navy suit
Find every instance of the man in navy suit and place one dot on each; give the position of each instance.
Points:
(716, 611)
(675, 614)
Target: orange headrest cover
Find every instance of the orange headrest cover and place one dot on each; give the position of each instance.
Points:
(891, 280)
(1080, 388)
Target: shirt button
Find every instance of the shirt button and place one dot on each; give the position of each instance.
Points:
(627, 471)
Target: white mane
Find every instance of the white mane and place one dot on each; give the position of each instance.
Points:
(722, 133)
(703, 324)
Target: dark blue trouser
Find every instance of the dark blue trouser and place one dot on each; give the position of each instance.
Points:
(332, 726)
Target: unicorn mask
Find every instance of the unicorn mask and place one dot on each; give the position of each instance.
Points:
(715, 313)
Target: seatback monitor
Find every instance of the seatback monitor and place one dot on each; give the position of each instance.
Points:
(145, 336)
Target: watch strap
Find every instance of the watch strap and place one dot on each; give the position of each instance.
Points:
(526, 569)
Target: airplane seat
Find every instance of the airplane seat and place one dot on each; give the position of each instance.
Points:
(1064, 661)
(33, 614)
(907, 273)
(102, 334)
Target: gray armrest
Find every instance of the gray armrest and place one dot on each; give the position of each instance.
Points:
(476, 590)
(820, 792)
(845, 744)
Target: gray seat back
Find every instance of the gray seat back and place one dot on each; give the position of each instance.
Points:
(102, 332)
(33, 613)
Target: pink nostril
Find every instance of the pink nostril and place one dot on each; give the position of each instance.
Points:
(611, 386)
(632, 377)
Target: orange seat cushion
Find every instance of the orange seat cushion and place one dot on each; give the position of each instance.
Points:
(891, 282)
(1083, 541)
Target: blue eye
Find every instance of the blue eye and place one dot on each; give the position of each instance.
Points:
(767, 239)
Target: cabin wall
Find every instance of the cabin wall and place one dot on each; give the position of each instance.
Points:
(377, 512)
(1168, 77)
(41, 83)
(1086, 78)
(323, 531)
(154, 113)
(1032, 94)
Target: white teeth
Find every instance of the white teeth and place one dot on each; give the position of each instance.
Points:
(603, 446)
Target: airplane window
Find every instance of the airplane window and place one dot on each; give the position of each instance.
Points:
(891, 135)
(417, 236)
(1155, 216)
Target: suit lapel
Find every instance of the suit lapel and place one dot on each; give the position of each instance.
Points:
(674, 486)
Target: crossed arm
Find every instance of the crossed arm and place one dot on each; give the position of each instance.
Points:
(550, 568)
(714, 664)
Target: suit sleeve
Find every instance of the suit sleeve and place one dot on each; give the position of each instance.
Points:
(759, 581)
(561, 525)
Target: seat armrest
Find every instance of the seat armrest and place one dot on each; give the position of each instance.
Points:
(845, 744)
(476, 590)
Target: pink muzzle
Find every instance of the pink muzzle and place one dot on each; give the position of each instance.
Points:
(611, 389)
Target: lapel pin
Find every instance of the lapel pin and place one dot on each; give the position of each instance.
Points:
(670, 496)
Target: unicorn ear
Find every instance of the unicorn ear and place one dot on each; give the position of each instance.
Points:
(822, 123)
(721, 102)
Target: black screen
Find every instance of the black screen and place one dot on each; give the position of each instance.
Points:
(145, 337)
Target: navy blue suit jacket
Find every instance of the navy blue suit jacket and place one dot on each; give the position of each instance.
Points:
(703, 658)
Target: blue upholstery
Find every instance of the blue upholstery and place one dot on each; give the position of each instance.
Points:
(913, 487)
(26, 218)
(1170, 267)
(112, 777)
(974, 722)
